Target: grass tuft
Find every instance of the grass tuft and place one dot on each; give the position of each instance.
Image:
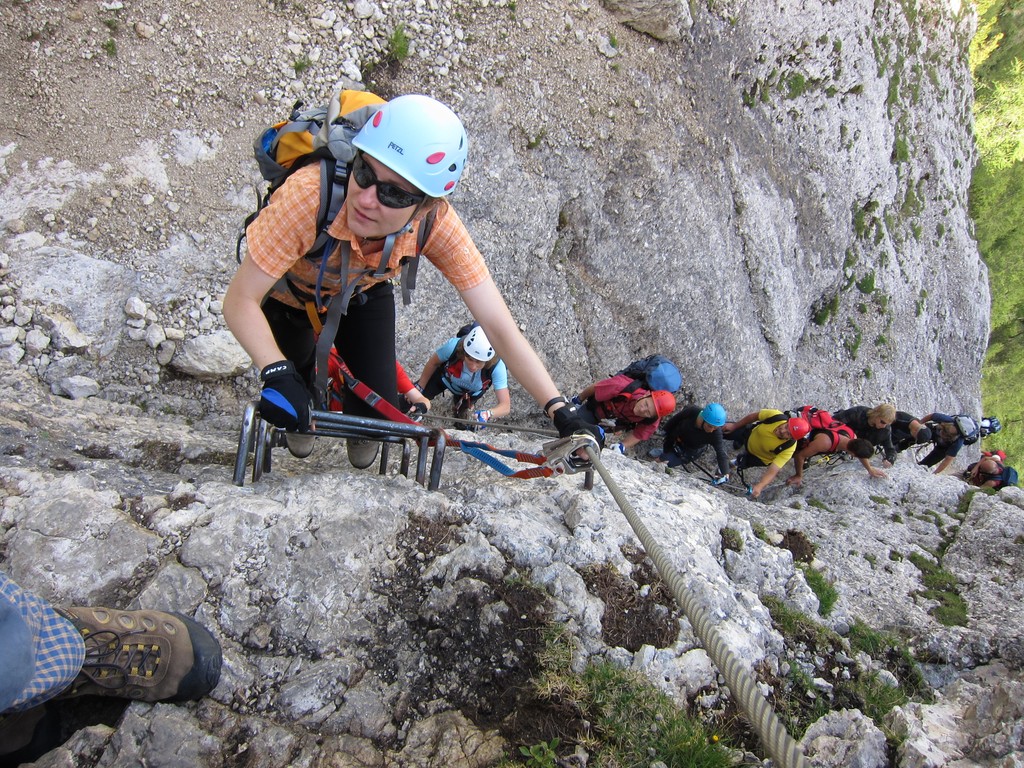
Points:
(628, 721)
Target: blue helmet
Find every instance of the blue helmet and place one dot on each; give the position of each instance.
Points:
(713, 414)
(420, 139)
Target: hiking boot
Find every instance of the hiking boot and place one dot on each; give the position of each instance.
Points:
(300, 444)
(144, 655)
(361, 453)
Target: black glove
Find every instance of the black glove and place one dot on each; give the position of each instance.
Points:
(285, 401)
(417, 412)
(570, 419)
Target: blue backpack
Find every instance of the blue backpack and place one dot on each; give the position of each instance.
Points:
(653, 372)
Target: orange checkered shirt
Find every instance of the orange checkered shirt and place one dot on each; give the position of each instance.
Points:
(286, 229)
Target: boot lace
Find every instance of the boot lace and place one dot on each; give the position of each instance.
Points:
(110, 659)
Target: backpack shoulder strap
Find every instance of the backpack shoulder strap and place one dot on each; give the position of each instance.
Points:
(332, 197)
(783, 446)
(409, 265)
(632, 387)
(837, 432)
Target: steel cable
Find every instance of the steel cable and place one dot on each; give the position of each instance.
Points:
(780, 745)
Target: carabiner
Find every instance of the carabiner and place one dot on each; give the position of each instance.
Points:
(561, 454)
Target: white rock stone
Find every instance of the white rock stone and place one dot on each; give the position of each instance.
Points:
(78, 387)
(155, 336)
(9, 335)
(212, 356)
(36, 342)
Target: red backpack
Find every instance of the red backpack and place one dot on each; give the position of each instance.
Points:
(823, 421)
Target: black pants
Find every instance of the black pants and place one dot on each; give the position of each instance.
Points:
(365, 341)
(747, 460)
(680, 454)
(935, 455)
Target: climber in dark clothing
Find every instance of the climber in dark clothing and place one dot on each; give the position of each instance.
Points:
(872, 424)
(946, 439)
(691, 431)
(907, 431)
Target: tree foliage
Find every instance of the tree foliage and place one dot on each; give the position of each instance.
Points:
(997, 199)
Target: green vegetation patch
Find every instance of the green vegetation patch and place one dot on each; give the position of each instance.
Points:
(889, 649)
(797, 700)
(997, 198)
(822, 588)
(941, 585)
(826, 310)
(398, 44)
(867, 283)
(818, 504)
(731, 539)
(616, 714)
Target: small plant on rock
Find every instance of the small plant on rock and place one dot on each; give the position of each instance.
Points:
(731, 539)
(542, 755)
(823, 589)
(398, 44)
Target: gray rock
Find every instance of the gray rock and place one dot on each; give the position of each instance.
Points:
(77, 387)
(161, 735)
(661, 19)
(977, 720)
(135, 308)
(765, 168)
(10, 335)
(845, 739)
(213, 356)
(448, 739)
(155, 336)
(36, 342)
(64, 332)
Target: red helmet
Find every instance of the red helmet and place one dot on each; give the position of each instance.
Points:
(798, 428)
(664, 402)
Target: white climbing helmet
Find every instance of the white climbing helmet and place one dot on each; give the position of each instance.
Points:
(420, 139)
(477, 346)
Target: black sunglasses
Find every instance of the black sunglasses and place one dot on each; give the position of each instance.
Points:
(388, 194)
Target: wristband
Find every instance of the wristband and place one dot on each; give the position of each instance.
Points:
(554, 401)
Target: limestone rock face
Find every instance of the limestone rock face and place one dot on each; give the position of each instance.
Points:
(773, 195)
(362, 615)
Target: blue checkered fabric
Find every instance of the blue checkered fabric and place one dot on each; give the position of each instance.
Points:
(58, 648)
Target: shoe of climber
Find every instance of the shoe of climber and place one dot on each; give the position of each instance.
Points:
(144, 655)
(461, 408)
(361, 453)
(300, 444)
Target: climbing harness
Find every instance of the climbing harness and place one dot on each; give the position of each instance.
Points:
(742, 488)
(780, 745)
(826, 460)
